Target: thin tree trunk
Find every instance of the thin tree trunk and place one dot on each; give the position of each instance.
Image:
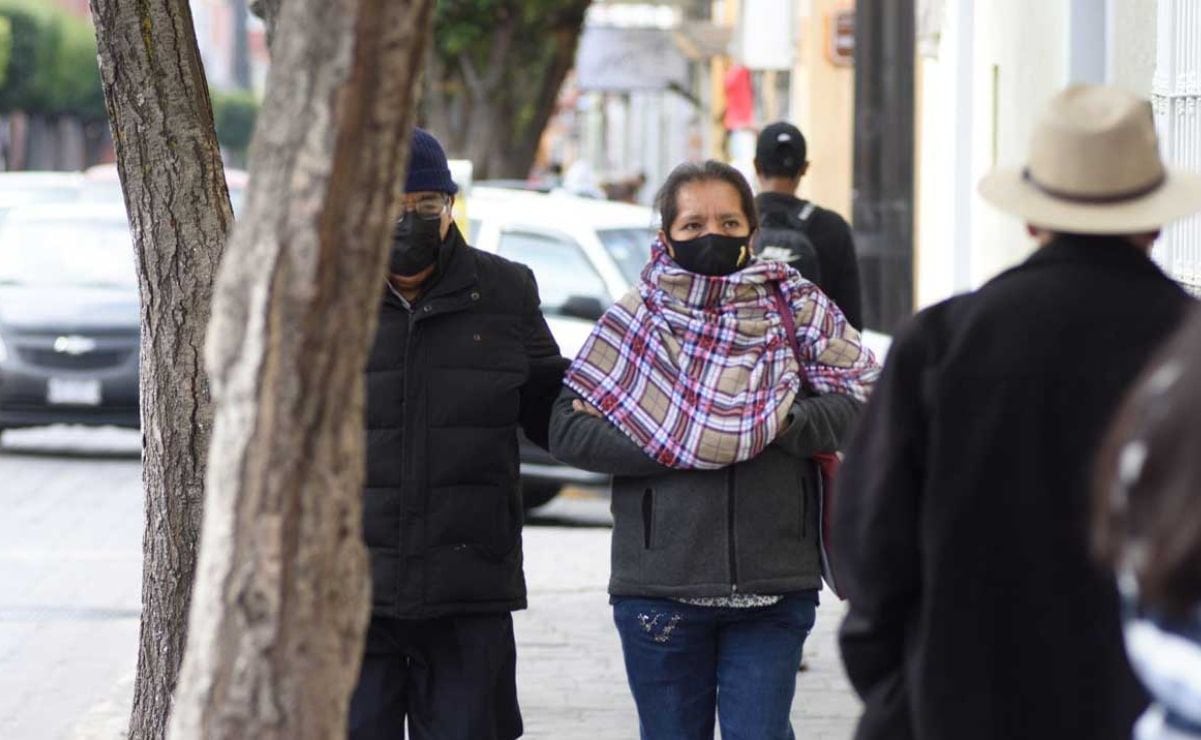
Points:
(281, 602)
(174, 184)
(497, 107)
(268, 10)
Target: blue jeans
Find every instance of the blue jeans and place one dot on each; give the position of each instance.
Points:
(685, 662)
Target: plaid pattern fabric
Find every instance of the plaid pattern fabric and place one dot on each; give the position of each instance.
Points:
(698, 370)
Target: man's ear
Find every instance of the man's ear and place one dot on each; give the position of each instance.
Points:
(805, 168)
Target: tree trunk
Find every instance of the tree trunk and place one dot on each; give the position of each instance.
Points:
(281, 602)
(179, 211)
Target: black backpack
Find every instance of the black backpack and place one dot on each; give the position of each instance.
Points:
(783, 236)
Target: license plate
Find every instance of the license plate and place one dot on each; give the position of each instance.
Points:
(73, 392)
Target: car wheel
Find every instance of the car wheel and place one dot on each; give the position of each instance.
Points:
(534, 495)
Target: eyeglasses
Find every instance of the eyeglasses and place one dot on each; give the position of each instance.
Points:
(427, 208)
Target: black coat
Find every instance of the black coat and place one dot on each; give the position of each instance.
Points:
(961, 528)
(838, 265)
(448, 382)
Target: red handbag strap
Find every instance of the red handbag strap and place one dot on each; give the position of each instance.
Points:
(789, 321)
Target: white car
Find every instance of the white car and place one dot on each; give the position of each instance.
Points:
(585, 253)
(28, 188)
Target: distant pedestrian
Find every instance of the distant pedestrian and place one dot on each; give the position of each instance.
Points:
(705, 392)
(961, 531)
(462, 357)
(814, 240)
(1148, 528)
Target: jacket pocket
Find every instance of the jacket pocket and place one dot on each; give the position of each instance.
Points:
(648, 518)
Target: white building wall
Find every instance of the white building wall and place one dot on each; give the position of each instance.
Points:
(1132, 33)
(1016, 58)
(1020, 63)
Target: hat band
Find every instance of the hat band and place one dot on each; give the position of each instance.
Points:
(1112, 198)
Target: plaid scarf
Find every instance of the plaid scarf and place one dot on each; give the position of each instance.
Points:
(698, 370)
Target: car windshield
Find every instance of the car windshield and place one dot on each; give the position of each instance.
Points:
(74, 252)
(13, 194)
(629, 248)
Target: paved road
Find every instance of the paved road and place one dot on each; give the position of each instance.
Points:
(69, 578)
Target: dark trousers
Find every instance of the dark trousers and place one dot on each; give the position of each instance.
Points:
(451, 678)
(685, 663)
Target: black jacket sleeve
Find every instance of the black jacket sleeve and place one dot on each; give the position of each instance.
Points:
(592, 443)
(844, 283)
(877, 554)
(818, 424)
(546, 369)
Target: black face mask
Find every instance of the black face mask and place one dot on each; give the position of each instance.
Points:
(415, 243)
(712, 254)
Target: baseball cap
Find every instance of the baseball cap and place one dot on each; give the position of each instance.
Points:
(781, 149)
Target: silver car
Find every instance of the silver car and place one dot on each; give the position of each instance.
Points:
(68, 317)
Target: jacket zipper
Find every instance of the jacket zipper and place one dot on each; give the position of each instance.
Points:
(733, 541)
(406, 436)
(804, 508)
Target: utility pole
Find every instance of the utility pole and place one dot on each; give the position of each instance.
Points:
(882, 202)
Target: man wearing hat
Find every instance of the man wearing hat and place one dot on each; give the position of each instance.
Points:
(461, 358)
(815, 241)
(962, 515)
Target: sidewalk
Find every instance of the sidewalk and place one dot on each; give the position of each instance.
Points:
(570, 675)
(571, 678)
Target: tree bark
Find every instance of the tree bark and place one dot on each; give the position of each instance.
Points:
(281, 602)
(174, 185)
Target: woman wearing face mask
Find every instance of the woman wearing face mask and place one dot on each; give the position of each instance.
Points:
(705, 392)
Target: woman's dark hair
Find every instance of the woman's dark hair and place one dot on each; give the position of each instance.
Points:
(1147, 513)
(667, 199)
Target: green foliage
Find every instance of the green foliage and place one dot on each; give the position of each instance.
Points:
(468, 26)
(497, 69)
(234, 113)
(52, 67)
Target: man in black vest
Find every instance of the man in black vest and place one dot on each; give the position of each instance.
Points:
(814, 240)
(960, 537)
(462, 357)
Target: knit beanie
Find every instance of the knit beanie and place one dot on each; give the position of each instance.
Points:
(428, 169)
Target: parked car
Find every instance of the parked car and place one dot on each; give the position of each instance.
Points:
(68, 317)
(585, 254)
(26, 188)
(102, 184)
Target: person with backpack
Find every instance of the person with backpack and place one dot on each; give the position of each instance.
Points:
(815, 241)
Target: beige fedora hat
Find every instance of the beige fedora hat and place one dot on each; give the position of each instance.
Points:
(1094, 168)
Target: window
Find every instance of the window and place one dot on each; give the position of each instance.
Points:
(72, 252)
(561, 267)
(629, 248)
